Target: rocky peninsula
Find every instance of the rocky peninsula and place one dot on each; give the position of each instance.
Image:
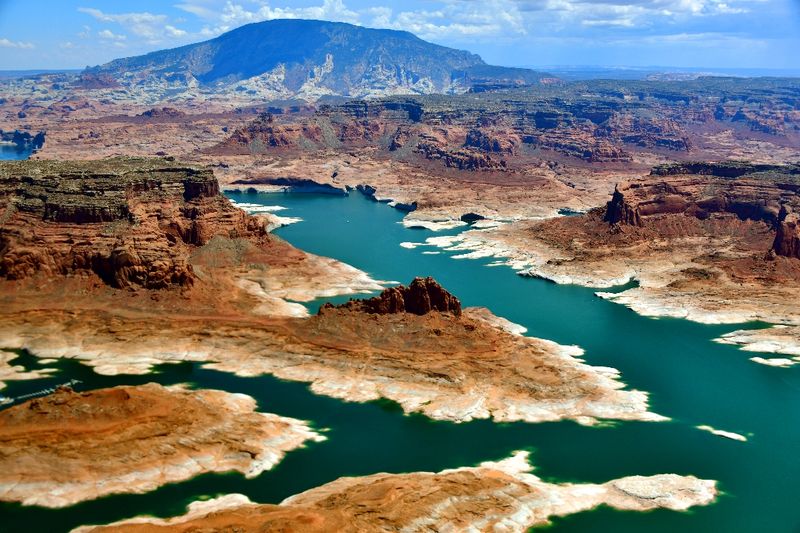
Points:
(501, 495)
(70, 447)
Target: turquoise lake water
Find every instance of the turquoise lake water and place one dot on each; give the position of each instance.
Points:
(692, 380)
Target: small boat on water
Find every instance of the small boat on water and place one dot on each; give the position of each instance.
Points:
(4, 400)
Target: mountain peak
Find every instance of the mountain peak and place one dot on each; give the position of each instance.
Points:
(288, 58)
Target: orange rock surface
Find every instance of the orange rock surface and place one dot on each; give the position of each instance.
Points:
(69, 447)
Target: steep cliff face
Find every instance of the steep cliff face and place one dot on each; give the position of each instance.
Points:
(787, 235)
(132, 222)
(422, 296)
(766, 193)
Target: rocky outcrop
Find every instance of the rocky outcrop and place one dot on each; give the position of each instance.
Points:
(131, 222)
(459, 158)
(264, 133)
(494, 496)
(293, 184)
(422, 296)
(162, 112)
(74, 446)
(787, 234)
(725, 169)
(762, 193)
(496, 142)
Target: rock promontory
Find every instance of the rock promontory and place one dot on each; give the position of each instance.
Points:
(74, 446)
(494, 496)
(420, 297)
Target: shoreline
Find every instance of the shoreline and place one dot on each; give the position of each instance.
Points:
(224, 432)
(254, 348)
(495, 495)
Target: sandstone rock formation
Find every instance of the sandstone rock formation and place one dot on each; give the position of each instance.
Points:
(444, 365)
(441, 365)
(422, 296)
(708, 242)
(133, 223)
(163, 112)
(74, 446)
(495, 496)
(768, 193)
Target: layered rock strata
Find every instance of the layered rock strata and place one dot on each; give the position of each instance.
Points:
(423, 352)
(132, 223)
(438, 364)
(422, 296)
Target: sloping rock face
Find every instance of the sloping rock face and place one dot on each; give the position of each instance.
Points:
(422, 296)
(69, 447)
(132, 222)
(162, 112)
(765, 193)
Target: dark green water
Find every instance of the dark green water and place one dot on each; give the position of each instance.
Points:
(691, 379)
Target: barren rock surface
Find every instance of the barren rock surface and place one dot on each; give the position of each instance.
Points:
(74, 446)
(444, 366)
(495, 496)
(136, 223)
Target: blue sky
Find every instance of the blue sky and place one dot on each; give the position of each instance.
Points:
(684, 33)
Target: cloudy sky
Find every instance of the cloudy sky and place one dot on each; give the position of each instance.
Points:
(682, 33)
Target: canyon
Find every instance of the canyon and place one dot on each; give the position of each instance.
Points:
(154, 266)
(709, 242)
(119, 251)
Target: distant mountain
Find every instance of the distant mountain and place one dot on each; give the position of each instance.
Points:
(307, 59)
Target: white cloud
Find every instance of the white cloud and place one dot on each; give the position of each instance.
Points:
(172, 31)
(154, 28)
(111, 36)
(7, 43)
(630, 13)
(454, 22)
(233, 15)
(454, 18)
(460, 21)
